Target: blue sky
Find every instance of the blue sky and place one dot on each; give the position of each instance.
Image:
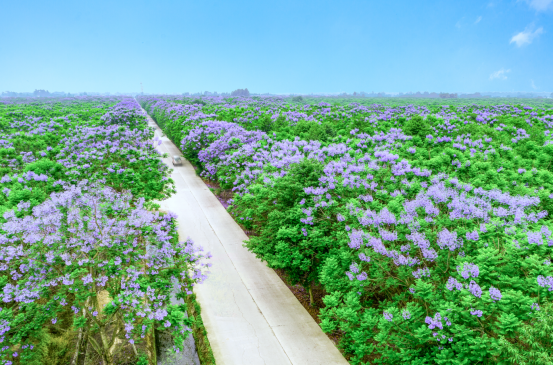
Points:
(276, 46)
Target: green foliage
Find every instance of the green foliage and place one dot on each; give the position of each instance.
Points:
(282, 244)
(531, 343)
(198, 101)
(51, 349)
(142, 360)
(44, 147)
(417, 126)
(205, 353)
(386, 315)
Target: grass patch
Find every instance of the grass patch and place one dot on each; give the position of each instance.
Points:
(199, 332)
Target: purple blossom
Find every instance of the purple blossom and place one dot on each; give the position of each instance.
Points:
(467, 270)
(45, 236)
(356, 240)
(430, 254)
(474, 289)
(434, 322)
(495, 294)
(87, 279)
(388, 236)
(363, 257)
(452, 284)
(534, 237)
(421, 272)
(447, 239)
(474, 235)
(354, 268)
(545, 282)
(479, 313)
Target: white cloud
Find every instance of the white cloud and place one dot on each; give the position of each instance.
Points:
(478, 19)
(459, 23)
(525, 37)
(533, 84)
(539, 5)
(500, 74)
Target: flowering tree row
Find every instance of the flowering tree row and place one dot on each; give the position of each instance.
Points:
(77, 180)
(430, 227)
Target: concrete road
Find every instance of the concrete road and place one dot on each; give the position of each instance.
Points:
(250, 315)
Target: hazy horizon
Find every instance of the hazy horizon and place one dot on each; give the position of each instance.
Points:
(394, 93)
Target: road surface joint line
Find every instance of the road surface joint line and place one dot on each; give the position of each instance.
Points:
(238, 272)
(253, 328)
(180, 172)
(234, 266)
(197, 187)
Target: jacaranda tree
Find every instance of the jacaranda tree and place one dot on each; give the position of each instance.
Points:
(86, 242)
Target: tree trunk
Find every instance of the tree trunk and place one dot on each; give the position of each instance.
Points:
(107, 359)
(311, 295)
(81, 347)
(150, 336)
(83, 354)
(107, 356)
(151, 347)
(77, 347)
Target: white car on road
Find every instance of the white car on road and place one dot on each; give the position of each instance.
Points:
(177, 160)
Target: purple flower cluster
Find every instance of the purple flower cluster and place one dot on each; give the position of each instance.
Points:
(434, 322)
(422, 272)
(495, 294)
(467, 270)
(31, 244)
(452, 284)
(474, 289)
(478, 313)
(545, 282)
